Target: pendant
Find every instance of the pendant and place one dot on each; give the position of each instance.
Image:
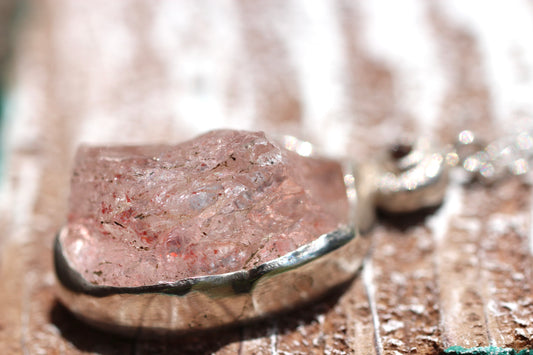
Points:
(228, 227)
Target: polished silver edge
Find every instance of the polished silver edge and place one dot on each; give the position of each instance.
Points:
(241, 281)
(148, 314)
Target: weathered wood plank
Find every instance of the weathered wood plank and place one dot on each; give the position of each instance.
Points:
(342, 73)
(506, 266)
(461, 301)
(406, 291)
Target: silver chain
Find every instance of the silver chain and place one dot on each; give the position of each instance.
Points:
(508, 155)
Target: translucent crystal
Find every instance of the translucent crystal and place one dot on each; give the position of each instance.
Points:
(225, 201)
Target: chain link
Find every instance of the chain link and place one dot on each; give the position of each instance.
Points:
(509, 155)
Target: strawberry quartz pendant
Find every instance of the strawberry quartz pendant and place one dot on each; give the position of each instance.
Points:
(221, 229)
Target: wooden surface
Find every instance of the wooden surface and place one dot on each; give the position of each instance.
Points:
(352, 76)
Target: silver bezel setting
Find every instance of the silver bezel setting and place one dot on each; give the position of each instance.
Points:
(212, 301)
(205, 302)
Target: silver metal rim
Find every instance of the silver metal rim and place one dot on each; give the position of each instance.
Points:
(208, 302)
(240, 281)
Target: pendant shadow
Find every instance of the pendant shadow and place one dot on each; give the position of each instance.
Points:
(88, 339)
(405, 221)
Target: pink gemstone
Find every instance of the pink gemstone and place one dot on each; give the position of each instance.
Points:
(222, 202)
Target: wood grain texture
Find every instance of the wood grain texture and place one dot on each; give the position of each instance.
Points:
(352, 76)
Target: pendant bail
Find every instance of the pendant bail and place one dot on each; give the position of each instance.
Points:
(413, 177)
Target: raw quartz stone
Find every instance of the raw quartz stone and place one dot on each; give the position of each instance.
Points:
(222, 202)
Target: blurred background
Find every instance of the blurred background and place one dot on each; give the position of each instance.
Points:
(334, 72)
(351, 76)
